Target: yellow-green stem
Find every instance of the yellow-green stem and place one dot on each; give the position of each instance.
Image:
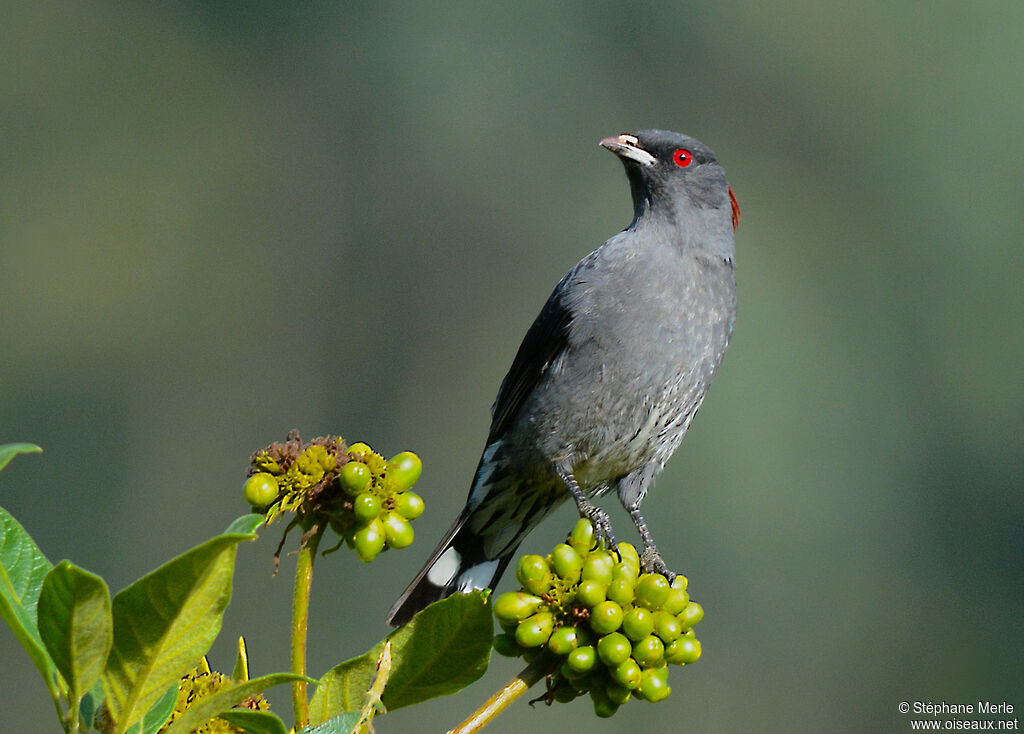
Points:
(543, 665)
(300, 620)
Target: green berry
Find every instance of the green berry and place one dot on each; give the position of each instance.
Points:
(627, 674)
(366, 507)
(508, 625)
(404, 470)
(621, 591)
(654, 687)
(369, 540)
(506, 645)
(564, 691)
(604, 707)
(261, 490)
(652, 590)
(667, 627)
(683, 651)
(359, 449)
(539, 586)
(582, 536)
(532, 566)
(625, 571)
(567, 562)
(398, 531)
(598, 567)
(582, 659)
(590, 593)
(410, 505)
(534, 631)
(676, 601)
(562, 641)
(605, 617)
(614, 649)
(534, 574)
(649, 652)
(680, 582)
(638, 623)
(618, 694)
(628, 555)
(355, 476)
(693, 614)
(577, 679)
(515, 606)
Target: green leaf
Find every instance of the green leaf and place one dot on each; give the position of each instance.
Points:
(89, 705)
(164, 622)
(246, 524)
(441, 650)
(205, 709)
(75, 625)
(9, 450)
(340, 724)
(22, 570)
(255, 722)
(158, 715)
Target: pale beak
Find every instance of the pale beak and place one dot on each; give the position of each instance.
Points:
(627, 146)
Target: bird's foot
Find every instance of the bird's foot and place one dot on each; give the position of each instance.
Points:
(602, 523)
(652, 562)
(588, 510)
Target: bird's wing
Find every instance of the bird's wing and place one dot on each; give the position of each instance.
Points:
(542, 344)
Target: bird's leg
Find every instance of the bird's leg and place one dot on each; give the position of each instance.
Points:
(587, 509)
(650, 559)
(632, 489)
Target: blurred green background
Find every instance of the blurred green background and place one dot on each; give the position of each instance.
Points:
(222, 221)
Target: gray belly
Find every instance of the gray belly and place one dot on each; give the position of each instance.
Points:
(633, 376)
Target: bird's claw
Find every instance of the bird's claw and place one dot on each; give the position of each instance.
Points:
(602, 524)
(652, 562)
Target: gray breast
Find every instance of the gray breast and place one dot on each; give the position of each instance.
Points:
(647, 336)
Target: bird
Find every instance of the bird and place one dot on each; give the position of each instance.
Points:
(609, 376)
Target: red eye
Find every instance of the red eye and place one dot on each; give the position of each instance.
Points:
(682, 157)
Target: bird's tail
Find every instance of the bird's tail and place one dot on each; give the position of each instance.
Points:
(502, 509)
(459, 563)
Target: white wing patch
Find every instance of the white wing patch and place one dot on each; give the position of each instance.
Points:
(444, 568)
(477, 577)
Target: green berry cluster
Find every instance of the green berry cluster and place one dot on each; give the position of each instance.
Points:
(362, 496)
(382, 505)
(615, 629)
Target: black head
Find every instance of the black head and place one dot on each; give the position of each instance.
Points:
(670, 173)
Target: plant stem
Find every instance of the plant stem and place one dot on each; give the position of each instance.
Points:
(300, 620)
(542, 665)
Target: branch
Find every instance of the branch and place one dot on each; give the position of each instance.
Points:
(544, 664)
(300, 620)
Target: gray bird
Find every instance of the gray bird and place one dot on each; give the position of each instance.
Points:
(610, 374)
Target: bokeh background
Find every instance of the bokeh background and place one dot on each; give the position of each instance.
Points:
(221, 221)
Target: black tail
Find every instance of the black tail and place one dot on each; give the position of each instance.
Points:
(459, 563)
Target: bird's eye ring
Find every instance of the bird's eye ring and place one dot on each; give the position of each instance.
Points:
(682, 157)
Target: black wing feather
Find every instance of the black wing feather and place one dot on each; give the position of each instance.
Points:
(544, 341)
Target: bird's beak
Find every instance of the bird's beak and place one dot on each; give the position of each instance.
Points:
(627, 146)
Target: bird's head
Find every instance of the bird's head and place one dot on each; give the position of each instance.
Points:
(671, 175)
